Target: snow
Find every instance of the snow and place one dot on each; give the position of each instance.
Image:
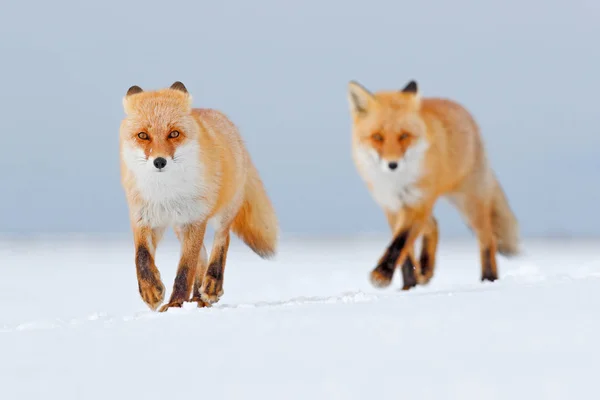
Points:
(307, 325)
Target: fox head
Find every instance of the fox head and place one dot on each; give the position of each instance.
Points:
(387, 125)
(158, 131)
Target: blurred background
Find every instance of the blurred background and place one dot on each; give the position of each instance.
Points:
(528, 70)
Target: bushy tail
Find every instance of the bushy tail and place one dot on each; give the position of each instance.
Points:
(504, 224)
(256, 222)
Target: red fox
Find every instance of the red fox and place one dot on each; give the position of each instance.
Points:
(183, 167)
(410, 151)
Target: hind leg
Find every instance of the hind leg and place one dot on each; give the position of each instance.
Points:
(487, 245)
(211, 288)
(428, 251)
(212, 284)
(478, 213)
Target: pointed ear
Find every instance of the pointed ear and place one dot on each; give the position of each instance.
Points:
(130, 92)
(179, 86)
(361, 100)
(411, 87)
(135, 89)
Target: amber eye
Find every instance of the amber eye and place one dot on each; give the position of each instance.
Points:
(377, 137)
(174, 134)
(143, 135)
(403, 136)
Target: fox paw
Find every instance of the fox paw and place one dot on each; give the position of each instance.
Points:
(423, 279)
(173, 304)
(489, 276)
(201, 303)
(381, 278)
(211, 290)
(152, 292)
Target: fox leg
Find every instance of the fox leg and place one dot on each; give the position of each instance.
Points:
(192, 237)
(409, 225)
(408, 267)
(478, 213)
(428, 251)
(200, 273)
(150, 285)
(212, 284)
(418, 271)
(410, 270)
(482, 225)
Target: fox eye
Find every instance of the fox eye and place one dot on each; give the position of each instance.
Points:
(143, 135)
(403, 136)
(174, 134)
(377, 137)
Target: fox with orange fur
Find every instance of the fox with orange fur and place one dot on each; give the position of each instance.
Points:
(410, 151)
(183, 167)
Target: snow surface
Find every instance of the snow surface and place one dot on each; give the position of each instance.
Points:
(307, 325)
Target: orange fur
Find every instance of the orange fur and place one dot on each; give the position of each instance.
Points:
(411, 151)
(183, 167)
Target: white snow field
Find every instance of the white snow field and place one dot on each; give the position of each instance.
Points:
(307, 325)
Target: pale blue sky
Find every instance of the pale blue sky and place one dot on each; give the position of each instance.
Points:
(528, 70)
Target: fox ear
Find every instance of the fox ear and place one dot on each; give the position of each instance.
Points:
(130, 92)
(135, 89)
(411, 87)
(179, 86)
(360, 98)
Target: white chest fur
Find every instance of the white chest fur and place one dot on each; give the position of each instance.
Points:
(172, 196)
(392, 189)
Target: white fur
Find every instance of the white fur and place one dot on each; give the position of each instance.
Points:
(392, 189)
(150, 243)
(171, 196)
(204, 256)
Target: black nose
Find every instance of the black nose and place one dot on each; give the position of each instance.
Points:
(160, 162)
(392, 165)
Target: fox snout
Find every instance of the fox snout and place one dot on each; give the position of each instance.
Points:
(160, 163)
(386, 164)
(389, 165)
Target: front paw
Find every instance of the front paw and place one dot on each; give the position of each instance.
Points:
(409, 274)
(174, 304)
(211, 290)
(201, 303)
(381, 277)
(152, 292)
(423, 279)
